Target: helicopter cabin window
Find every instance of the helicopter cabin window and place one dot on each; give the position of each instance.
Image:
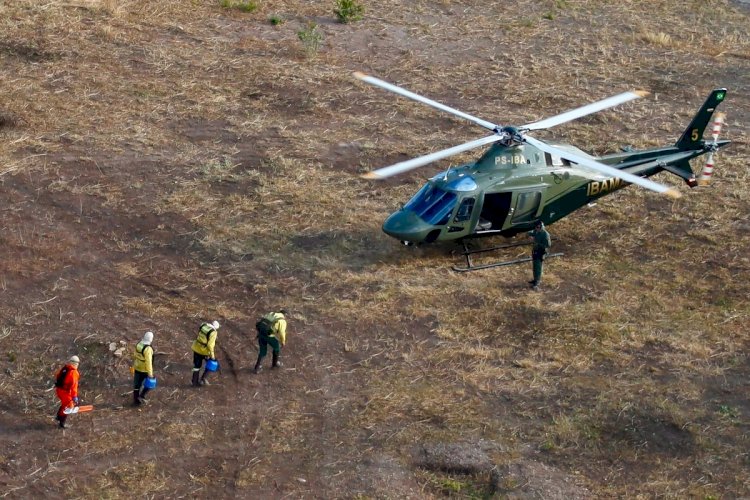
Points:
(553, 160)
(464, 210)
(432, 204)
(526, 206)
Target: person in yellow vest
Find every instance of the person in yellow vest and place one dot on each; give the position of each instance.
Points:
(271, 331)
(143, 367)
(204, 348)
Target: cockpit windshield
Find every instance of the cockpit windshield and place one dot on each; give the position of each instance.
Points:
(432, 204)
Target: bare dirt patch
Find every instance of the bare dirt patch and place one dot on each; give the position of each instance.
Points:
(162, 164)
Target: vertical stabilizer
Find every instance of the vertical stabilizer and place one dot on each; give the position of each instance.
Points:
(692, 137)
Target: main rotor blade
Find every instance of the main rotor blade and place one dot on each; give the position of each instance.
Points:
(585, 110)
(602, 168)
(411, 95)
(407, 165)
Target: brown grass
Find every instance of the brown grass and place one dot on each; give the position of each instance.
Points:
(173, 162)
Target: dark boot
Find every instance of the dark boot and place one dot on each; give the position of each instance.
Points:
(204, 378)
(276, 363)
(258, 367)
(142, 397)
(61, 421)
(136, 397)
(195, 382)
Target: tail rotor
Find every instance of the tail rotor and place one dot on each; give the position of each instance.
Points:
(708, 168)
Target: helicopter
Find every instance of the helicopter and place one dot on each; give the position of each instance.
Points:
(520, 180)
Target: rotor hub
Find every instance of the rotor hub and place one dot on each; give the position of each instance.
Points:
(511, 135)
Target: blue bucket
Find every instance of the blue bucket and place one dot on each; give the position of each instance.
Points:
(212, 365)
(150, 383)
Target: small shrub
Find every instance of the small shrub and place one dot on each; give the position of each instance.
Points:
(276, 20)
(246, 6)
(348, 11)
(218, 170)
(728, 411)
(7, 119)
(452, 486)
(547, 445)
(661, 39)
(311, 38)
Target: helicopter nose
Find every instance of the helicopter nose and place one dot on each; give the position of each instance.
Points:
(405, 225)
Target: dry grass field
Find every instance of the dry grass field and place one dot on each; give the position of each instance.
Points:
(168, 162)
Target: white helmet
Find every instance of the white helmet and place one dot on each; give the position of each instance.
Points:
(148, 337)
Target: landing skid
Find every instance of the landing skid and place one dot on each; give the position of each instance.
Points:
(471, 267)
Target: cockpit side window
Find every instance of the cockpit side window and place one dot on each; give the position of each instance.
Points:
(464, 210)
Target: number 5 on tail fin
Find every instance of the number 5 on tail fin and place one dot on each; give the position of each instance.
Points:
(692, 137)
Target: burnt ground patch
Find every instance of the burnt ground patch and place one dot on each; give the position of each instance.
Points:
(124, 112)
(649, 431)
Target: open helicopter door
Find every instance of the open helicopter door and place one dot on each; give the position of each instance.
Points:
(495, 209)
(521, 207)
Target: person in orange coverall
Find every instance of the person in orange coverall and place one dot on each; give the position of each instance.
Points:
(66, 387)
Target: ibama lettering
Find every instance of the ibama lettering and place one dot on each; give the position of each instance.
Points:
(599, 188)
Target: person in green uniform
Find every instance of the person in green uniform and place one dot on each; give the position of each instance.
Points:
(540, 246)
(204, 348)
(271, 331)
(143, 367)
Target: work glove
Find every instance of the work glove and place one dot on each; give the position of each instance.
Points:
(75, 400)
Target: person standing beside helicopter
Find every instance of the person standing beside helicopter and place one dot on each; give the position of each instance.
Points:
(541, 243)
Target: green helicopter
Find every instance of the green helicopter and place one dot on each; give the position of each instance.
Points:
(520, 180)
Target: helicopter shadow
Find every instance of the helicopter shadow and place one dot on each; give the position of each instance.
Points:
(354, 250)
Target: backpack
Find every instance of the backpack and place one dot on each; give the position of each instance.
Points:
(61, 376)
(265, 326)
(206, 334)
(143, 351)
